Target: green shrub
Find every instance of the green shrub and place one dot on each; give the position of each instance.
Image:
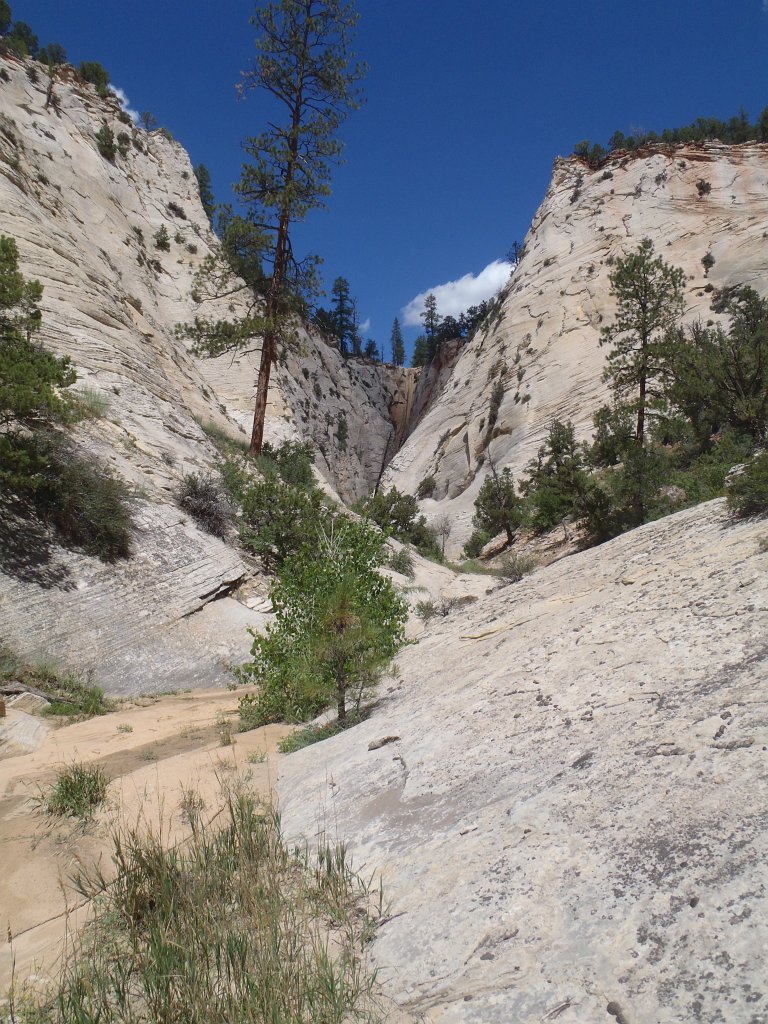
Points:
(71, 694)
(78, 790)
(162, 239)
(123, 144)
(291, 460)
(426, 488)
(397, 515)
(401, 562)
(105, 142)
(93, 72)
(90, 508)
(277, 519)
(338, 622)
(515, 566)
(426, 610)
(477, 541)
(204, 499)
(747, 489)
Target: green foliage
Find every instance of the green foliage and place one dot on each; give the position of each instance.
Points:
(421, 356)
(278, 519)
(71, 694)
(23, 39)
(498, 507)
(397, 343)
(555, 480)
(204, 499)
(105, 142)
(312, 734)
(53, 54)
(230, 924)
(426, 488)
(649, 303)
(291, 460)
(515, 566)
(93, 72)
(747, 489)
(78, 790)
(736, 130)
(123, 144)
(402, 562)
(477, 541)
(162, 239)
(338, 623)
(90, 508)
(5, 17)
(204, 184)
(397, 514)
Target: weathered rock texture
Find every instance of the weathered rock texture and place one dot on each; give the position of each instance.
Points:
(543, 342)
(571, 824)
(85, 228)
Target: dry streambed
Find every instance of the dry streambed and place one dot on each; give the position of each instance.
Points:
(155, 752)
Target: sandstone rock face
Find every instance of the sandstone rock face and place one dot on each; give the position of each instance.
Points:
(86, 229)
(571, 823)
(542, 346)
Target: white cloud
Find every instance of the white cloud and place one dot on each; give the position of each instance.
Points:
(365, 326)
(125, 103)
(454, 297)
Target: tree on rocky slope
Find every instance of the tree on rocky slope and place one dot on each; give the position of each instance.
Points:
(305, 69)
(398, 347)
(649, 303)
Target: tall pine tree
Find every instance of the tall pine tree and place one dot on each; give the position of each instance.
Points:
(398, 346)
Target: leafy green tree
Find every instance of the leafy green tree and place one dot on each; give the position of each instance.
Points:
(94, 73)
(498, 507)
(25, 38)
(5, 17)
(398, 346)
(397, 514)
(53, 53)
(203, 176)
(338, 622)
(649, 303)
(420, 355)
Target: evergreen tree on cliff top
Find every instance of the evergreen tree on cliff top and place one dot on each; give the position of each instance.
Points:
(305, 69)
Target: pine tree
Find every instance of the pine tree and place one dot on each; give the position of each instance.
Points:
(431, 322)
(203, 176)
(649, 296)
(398, 347)
(343, 319)
(420, 355)
(498, 506)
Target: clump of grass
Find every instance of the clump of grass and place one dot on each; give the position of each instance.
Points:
(762, 545)
(231, 925)
(72, 694)
(257, 757)
(78, 790)
(224, 729)
(124, 727)
(313, 734)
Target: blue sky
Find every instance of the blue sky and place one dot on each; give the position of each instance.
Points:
(467, 106)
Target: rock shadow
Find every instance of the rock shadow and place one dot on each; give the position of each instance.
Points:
(28, 552)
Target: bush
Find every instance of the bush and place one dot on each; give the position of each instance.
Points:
(338, 623)
(291, 460)
(514, 567)
(105, 142)
(401, 562)
(93, 72)
(90, 508)
(71, 694)
(123, 144)
(426, 488)
(204, 499)
(703, 187)
(498, 507)
(77, 792)
(278, 520)
(397, 515)
(176, 210)
(162, 239)
(747, 489)
(476, 543)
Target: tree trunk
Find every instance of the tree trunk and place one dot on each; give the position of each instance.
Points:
(341, 694)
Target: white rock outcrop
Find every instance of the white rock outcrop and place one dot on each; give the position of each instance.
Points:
(570, 816)
(543, 341)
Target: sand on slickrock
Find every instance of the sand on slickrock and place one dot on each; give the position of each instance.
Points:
(153, 751)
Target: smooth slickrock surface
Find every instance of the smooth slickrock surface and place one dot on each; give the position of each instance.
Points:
(544, 343)
(572, 821)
